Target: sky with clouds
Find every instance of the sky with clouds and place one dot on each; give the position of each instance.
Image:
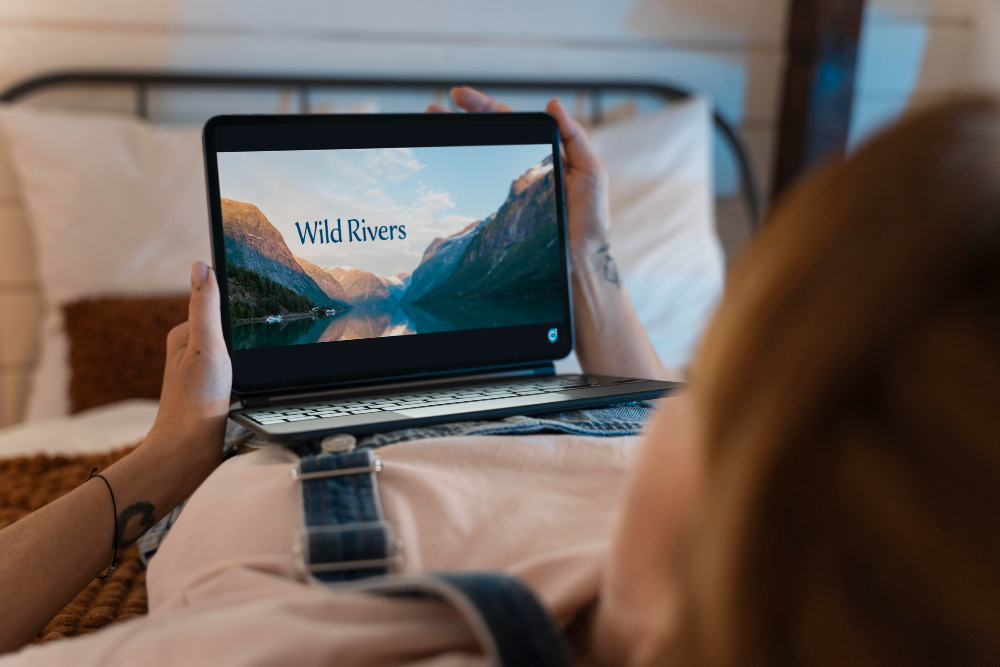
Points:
(433, 191)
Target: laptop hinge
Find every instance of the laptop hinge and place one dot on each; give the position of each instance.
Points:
(262, 400)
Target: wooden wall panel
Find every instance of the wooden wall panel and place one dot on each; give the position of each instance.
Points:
(938, 11)
(17, 265)
(20, 347)
(907, 61)
(594, 22)
(14, 385)
(720, 74)
(937, 54)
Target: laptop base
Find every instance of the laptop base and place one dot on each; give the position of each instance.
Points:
(373, 411)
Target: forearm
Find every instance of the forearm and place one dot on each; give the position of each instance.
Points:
(52, 554)
(610, 340)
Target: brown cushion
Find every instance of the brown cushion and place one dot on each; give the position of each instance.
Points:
(118, 346)
(28, 483)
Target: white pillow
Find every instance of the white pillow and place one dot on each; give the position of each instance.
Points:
(663, 234)
(92, 431)
(118, 207)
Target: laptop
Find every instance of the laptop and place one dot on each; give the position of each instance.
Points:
(381, 272)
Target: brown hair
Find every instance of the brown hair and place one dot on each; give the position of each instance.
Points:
(849, 392)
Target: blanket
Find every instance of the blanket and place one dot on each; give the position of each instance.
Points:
(29, 483)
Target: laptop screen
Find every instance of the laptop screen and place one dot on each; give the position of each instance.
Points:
(325, 246)
(360, 249)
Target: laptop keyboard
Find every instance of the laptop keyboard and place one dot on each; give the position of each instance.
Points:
(428, 398)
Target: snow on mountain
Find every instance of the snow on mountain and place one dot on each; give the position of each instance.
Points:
(396, 284)
(363, 288)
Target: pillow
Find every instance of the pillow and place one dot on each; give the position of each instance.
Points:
(118, 346)
(663, 235)
(118, 208)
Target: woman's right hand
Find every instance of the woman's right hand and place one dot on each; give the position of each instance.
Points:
(584, 177)
(198, 377)
(48, 557)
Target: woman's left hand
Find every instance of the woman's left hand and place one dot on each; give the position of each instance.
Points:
(610, 339)
(197, 381)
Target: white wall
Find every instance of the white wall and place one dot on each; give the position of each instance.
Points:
(912, 53)
(731, 50)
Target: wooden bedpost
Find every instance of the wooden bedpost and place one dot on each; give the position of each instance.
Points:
(819, 85)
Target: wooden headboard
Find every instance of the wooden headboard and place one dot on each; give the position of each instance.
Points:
(818, 96)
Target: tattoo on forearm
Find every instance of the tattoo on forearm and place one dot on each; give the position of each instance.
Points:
(135, 509)
(610, 267)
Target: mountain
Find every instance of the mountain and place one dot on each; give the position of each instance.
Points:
(436, 243)
(512, 253)
(439, 261)
(530, 177)
(324, 280)
(397, 284)
(363, 288)
(253, 243)
(252, 295)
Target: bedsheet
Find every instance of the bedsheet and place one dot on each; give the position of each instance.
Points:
(90, 432)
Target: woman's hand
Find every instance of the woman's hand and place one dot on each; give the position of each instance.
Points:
(48, 557)
(197, 381)
(585, 179)
(610, 339)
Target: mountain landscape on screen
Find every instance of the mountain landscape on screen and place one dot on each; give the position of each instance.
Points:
(512, 252)
(325, 281)
(502, 270)
(255, 246)
(363, 288)
(397, 284)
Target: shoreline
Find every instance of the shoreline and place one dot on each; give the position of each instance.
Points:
(284, 318)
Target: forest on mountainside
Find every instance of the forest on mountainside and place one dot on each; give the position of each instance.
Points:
(252, 295)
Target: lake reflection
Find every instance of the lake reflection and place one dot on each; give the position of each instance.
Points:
(398, 320)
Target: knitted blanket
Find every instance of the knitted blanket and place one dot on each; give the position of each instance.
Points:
(28, 483)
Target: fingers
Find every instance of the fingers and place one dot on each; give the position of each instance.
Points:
(471, 99)
(437, 108)
(204, 317)
(579, 153)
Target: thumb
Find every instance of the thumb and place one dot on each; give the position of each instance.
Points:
(579, 153)
(204, 317)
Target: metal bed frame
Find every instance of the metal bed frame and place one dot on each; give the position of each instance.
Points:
(143, 81)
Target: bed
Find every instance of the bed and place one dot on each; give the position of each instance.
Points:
(116, 207)
(102, 317)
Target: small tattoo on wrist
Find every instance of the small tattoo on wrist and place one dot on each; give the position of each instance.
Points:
(610, 267)
(148, 519)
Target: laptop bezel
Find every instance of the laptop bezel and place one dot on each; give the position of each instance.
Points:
(317, 366)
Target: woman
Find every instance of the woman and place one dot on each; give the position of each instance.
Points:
(844, 414)
(825, 493)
